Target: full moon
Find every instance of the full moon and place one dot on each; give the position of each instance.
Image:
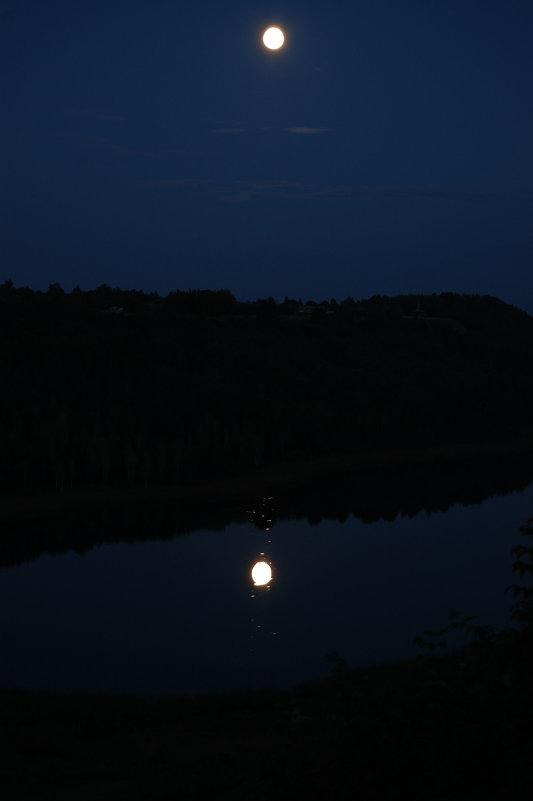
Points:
(273, 38)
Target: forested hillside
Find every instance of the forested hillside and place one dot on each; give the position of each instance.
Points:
(112, 386)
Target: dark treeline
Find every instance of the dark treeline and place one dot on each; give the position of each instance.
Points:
(111, 386)
(370, 495)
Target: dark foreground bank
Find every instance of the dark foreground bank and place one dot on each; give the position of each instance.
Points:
(455, 727)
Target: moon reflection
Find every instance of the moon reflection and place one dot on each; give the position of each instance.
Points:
(261, 574)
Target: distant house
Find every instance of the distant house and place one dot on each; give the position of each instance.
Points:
(435, 322)
(311, 308)
(114, 310)
(446, 322)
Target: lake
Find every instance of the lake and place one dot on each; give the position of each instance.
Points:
(183, 615)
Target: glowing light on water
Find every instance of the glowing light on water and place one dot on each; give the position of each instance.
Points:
(261, 574)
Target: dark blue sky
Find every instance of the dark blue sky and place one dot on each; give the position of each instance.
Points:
(158, 145)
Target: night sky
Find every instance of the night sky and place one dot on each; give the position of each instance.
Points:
(157, 145)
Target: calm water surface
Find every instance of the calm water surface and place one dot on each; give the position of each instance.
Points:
(184, 615)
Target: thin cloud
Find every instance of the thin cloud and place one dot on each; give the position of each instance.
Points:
(228, 130)
(294, 129)
(235, 197)
(270, 186)
(245, 191)
(97, 115)
(128, 151)
(306, 131)
(110, 117)
(181, 183)
(103, 143)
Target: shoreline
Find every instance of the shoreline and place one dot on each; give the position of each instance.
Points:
(358, 731)
(264, 480)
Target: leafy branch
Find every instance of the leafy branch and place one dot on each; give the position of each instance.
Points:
(456, 621)
(522, 609)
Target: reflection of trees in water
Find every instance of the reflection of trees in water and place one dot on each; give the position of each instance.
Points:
(410, 489)
(522, 609)
(263, 513)
(369, 495)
